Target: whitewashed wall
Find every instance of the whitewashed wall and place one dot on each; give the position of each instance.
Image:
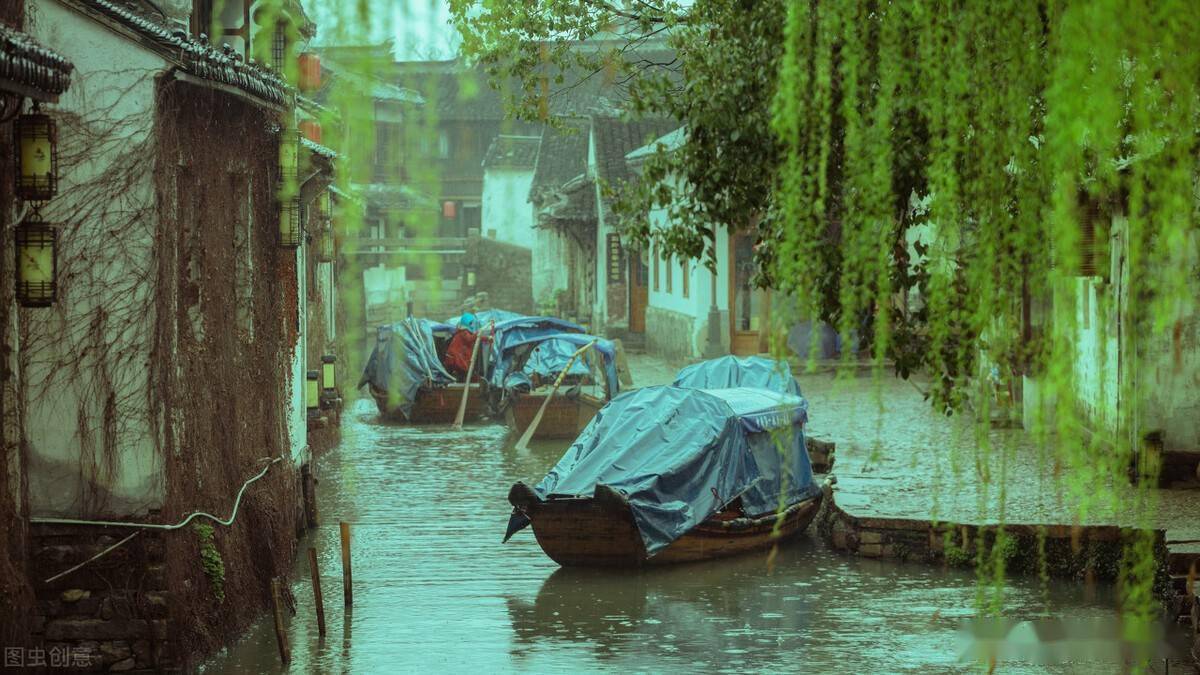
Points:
(506, 207)
(113, 86)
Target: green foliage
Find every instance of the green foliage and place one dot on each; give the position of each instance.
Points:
(210, 560)
(955, 555)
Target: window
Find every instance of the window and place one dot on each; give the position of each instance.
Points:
(443, 144)
(654, 255)
(670, 273)
(684, 267)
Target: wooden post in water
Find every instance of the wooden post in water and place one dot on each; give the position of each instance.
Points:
(285, 652)
(347, 581)
(318, 601)
(309, 483)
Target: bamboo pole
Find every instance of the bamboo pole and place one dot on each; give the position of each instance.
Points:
(285, 652)
(523, 443)
(347, 581)
(318, 600)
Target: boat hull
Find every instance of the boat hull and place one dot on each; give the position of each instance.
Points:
(564, 417)
(592, 533)
(435, 406)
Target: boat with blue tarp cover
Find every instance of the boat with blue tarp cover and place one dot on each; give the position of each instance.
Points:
(528, 357)
(734, 371)
(528, 365)
(407, 376)
(671, 474)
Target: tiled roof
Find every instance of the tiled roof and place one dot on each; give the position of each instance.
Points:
(197, 58)
(617, 137)
(669, 143)
(573, 204)
(563, 156)
(512, 152)
(318, 149)
(29, 69)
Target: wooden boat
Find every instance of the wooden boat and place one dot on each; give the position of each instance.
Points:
(600, 532)
(437, 405)
(564, 417)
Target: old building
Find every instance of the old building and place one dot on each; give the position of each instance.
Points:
(621, 275)
(30, 74)
(564, 201)
(690, 312)
(380, 274)
(1131, 380)
(168, 371)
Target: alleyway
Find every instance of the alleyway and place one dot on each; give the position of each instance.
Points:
(434, 588)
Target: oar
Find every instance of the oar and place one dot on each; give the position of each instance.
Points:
(523, 444)
(462, 405)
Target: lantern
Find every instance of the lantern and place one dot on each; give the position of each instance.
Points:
(290, 231)
(311, 129)
(312, 391)
(328, 381)
(449, 210)
(310, 72)
(37, 263)
(470, 276)
(36, 138)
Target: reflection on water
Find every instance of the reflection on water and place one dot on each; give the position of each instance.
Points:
(436, 591)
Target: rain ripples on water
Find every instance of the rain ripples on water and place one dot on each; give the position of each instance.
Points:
(434, 589)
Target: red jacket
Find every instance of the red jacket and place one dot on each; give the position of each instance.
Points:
(457, 358)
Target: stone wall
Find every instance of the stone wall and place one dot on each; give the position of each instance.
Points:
(670, 334)
(504, 271)
(1092, 552)
(109, 616)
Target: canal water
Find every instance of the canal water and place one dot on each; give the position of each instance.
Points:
(436, 591)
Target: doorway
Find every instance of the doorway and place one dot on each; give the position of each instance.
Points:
(639, 292)
(748, 306)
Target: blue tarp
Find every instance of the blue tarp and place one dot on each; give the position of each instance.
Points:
(549, 357)
(511, 334)
(732, 371)
(548, 354)
(485, 317)
(405, 358)
(680, 455)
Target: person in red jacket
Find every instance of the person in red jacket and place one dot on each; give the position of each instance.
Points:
(457, 358)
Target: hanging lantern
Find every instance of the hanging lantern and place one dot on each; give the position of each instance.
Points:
(312, 391)
(310, 72)
(328, 381)
(470, 276)
(37, 263)
(36, 138)
(449, 210)
(290, 232)
(311, 129)
(325, 243)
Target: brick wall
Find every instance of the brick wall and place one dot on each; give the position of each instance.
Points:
(110, 615)
(504, 272)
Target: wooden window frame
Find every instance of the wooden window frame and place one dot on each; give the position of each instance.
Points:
(654, 255)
